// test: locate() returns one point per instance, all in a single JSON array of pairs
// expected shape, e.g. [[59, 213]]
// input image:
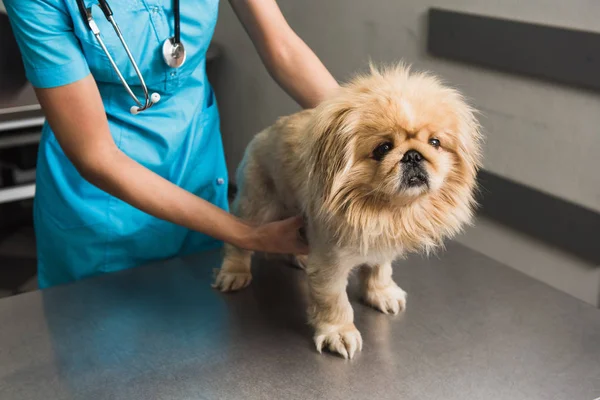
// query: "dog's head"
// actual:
[[395, 145]]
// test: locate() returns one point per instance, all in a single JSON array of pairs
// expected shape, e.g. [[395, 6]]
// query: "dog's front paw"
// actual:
[[388, 299], [229, 281], [344, 340]]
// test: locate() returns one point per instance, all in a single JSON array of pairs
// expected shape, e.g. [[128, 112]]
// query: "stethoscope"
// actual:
[[172, 49]]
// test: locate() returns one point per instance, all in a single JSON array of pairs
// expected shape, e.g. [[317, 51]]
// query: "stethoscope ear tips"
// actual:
[[155, 98]]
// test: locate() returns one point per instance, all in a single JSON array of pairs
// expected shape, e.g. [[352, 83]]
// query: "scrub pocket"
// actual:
[[139, 38]]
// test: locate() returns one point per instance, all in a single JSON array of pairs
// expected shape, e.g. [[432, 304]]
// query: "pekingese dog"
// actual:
[[384, 167]]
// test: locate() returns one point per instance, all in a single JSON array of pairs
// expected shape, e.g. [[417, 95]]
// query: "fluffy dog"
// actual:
[[384, 167]]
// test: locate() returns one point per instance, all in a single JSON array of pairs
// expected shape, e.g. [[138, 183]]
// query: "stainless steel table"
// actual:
[[474, 329]]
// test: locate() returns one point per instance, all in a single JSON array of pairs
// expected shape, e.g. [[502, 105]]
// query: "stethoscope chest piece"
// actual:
[[173, 53]]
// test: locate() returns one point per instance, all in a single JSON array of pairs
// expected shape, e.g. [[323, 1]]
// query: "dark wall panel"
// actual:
[[557, 54], [554, 221]]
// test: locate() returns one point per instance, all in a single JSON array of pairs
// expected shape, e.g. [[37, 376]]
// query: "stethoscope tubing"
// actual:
[[86, 13]]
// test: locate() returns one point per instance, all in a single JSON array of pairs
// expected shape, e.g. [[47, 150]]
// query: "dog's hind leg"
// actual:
[[235, 271], [254, 203]]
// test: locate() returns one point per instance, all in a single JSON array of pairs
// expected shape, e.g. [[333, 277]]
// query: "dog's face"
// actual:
[[404, 148], [393, 139]]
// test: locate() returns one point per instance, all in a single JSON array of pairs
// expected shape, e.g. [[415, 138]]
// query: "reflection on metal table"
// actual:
[[473, 329]]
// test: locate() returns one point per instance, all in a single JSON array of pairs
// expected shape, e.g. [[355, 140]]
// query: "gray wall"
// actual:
[[544, 135]]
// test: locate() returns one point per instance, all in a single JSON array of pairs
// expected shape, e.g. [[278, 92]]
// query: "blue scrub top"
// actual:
[[82, 231]]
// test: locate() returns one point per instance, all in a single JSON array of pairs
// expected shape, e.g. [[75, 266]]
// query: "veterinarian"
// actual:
[[133, 170]]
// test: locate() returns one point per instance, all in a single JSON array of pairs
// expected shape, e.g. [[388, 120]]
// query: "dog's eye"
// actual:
[[434, 142], [381, 150]]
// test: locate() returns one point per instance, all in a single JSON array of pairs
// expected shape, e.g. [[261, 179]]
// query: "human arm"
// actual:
[[291, 63], [85, 138], [56, 67]]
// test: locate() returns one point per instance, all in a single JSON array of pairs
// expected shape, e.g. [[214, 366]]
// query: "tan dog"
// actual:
[[385, 166]]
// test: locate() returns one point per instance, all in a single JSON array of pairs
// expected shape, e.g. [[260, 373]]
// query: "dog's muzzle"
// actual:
[[413, 172]]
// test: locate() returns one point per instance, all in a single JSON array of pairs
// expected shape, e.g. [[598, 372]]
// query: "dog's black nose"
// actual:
[[412, 157]]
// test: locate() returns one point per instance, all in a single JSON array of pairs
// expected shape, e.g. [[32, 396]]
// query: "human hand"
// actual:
[[279, 237]]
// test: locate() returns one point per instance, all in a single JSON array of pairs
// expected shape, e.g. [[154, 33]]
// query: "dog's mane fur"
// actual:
[[352, 215]]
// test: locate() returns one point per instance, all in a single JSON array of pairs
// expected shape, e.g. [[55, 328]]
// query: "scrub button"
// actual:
[[220, 181]]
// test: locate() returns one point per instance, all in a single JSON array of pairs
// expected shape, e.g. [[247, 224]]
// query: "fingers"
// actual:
[[298, 221], [302, 242], [288, 238], [281, 237], [301, 248]]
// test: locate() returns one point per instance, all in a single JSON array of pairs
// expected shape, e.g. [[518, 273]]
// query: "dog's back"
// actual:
[[273, 171]]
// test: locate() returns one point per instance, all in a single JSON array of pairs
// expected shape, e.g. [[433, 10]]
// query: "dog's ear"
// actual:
[[331, 151], [469, 140]]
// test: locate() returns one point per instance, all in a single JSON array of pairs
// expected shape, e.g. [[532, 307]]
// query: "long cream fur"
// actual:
[[320, 163]]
